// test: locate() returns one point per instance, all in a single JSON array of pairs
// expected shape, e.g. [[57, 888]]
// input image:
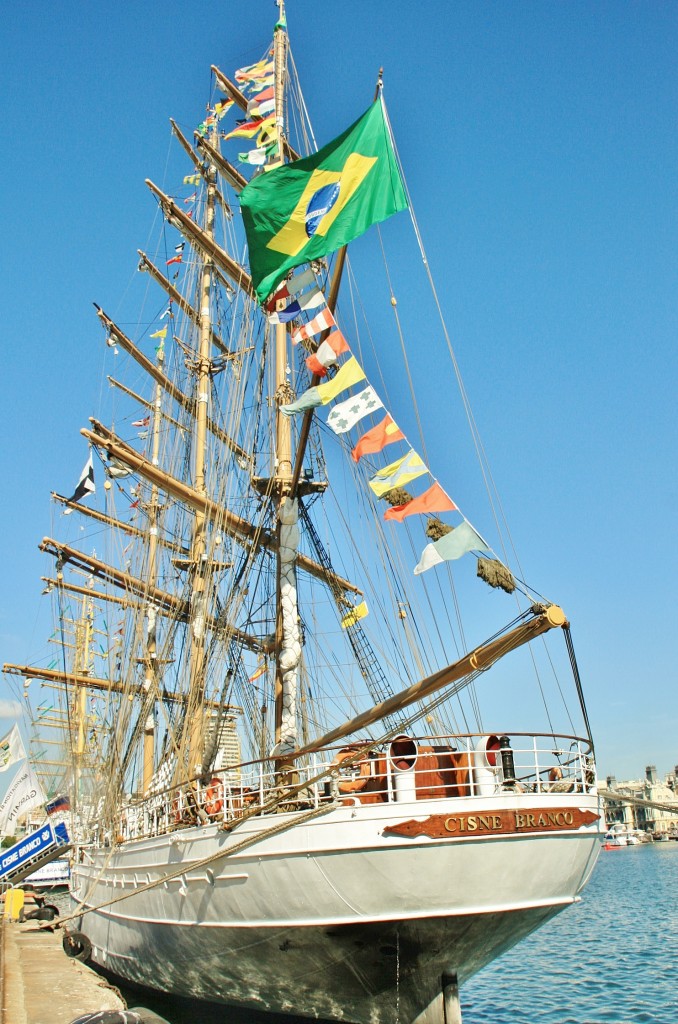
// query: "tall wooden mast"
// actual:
[[82, 665], [151, 674], [287, 639], [199, 568]]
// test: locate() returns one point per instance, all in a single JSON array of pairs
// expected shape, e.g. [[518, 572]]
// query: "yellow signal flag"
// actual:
[[349, 373], [355, 614]]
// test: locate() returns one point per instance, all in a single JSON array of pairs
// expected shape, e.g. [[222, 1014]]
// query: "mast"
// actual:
[[199, 547], [82, 665], [287, 636], [151, 670]]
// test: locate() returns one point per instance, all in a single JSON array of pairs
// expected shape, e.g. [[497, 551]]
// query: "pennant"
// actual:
[[179, 247], [327, 353], [309, 400], [117, 469], [222, 106], [85, 484], [322, 322], [266, 94], [347, 413], [59, 805], [256, 157], [268, 136], [191, 199], [23, 794], [168, 312], [311, 207], [253, 71], [249, 129], [260, 110], [350, 373], [453, 545], [400, 472], [290, 288], [257, 84], [192, 179], [432, 500], [263, 79], [162, 333], [259, 671], [377, 438], [142, 423], [11, 749], [309, 300], [356, 613]]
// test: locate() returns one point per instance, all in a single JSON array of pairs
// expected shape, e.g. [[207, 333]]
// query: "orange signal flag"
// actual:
[[432, 500], [377, 438]]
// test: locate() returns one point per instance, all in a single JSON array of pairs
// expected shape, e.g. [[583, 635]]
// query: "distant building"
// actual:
[[226, 746], [648, 819]]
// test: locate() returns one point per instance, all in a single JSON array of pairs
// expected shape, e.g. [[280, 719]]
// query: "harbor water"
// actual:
[[610, 959]]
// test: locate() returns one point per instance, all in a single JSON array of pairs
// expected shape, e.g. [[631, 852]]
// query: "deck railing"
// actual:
[[405, 770]]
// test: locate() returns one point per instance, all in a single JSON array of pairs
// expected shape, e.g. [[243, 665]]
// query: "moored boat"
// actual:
[[283, 791]]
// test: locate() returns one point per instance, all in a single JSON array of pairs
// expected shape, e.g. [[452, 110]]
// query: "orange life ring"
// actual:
[[214, 797], [364, 772]]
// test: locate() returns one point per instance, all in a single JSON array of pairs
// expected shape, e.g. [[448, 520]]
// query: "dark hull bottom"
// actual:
[[372, 973]]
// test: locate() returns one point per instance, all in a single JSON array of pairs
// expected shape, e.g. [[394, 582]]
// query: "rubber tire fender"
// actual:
[[77, 946]]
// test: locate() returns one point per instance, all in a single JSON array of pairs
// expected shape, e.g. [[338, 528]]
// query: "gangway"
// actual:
[[30, 853]]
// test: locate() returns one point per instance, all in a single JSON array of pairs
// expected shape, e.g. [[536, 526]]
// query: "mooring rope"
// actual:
[[247, 841]]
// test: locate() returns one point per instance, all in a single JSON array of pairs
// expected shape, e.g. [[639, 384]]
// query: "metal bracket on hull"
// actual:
[[451, 1004], [445, 1008]]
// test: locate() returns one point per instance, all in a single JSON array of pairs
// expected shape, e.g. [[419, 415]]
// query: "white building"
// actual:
[[649, 819]]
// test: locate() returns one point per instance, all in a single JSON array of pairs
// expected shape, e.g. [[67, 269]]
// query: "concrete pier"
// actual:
[[39, 984]]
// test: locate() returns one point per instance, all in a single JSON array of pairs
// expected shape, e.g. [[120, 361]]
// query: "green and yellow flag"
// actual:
[[311, 207]]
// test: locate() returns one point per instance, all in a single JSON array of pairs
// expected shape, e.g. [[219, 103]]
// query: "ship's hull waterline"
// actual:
[[332, 918]]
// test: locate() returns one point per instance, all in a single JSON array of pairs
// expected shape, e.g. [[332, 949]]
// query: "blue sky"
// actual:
[[540, 147]]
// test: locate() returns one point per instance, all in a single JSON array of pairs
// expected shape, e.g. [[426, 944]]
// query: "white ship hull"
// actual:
[[332, 918]]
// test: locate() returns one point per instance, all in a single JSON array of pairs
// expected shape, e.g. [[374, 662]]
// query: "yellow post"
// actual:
[[14, 904]]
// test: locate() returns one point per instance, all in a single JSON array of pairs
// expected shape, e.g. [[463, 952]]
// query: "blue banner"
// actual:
[[28, 848]]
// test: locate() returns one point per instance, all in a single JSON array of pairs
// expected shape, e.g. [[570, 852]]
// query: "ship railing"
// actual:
[[406, 769]]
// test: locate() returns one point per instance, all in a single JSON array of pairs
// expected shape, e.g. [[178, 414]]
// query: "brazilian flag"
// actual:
[[311, 207]]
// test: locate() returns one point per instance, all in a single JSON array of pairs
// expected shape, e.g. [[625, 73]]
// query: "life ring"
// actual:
[[364, 771], [214, 797]]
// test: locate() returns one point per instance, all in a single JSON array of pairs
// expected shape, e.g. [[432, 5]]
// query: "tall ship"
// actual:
[[300, 777]]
